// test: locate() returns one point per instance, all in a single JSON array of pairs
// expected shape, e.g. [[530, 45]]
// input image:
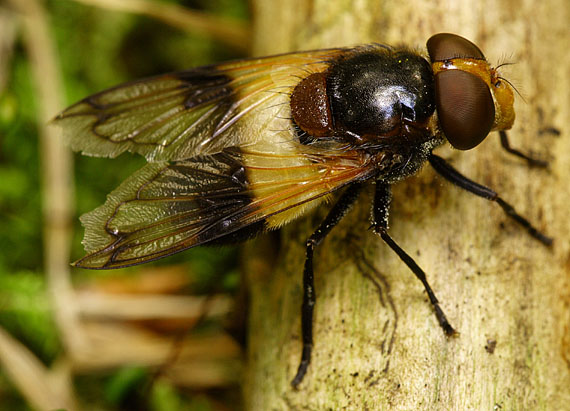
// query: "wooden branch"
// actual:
[[377, 342]]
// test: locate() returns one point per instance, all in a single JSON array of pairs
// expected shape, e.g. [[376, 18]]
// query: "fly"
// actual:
[[238, 148]]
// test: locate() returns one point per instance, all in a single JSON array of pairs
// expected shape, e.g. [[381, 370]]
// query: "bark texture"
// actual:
[[377, 341]]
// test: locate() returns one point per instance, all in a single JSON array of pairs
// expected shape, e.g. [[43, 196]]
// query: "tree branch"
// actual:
[[377, 342]]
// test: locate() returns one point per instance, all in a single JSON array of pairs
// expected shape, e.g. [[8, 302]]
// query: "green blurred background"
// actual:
[[97, 46]]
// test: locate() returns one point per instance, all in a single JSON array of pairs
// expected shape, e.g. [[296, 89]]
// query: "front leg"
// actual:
[[452, 175], [382, 200], [533, 162]]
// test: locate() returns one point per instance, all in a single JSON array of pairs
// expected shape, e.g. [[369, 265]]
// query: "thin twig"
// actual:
[[7, 43], [56, 172], [30, 376], [229, 31], [120, 344], [144, 307]]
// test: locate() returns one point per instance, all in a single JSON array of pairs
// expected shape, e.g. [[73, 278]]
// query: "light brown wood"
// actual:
[[377, 342]]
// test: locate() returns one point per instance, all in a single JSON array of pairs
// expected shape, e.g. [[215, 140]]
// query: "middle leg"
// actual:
[[382, 200]]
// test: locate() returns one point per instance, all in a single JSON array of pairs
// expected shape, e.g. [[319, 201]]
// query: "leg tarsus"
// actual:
[[421, 275], [511, 212], [531, 161], [455, 177], [303, 365], [309, 298]]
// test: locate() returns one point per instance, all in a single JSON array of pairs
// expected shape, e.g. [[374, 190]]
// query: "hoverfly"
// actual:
[[238, 148]]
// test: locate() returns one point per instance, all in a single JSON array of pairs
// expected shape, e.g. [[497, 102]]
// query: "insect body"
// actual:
[[247, 146]]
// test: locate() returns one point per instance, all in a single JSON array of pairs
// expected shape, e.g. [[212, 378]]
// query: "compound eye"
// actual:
[[465, 108], [446, 46]]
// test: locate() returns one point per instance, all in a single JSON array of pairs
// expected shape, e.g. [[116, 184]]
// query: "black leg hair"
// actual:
[[533, 162], [382, 199], [338, 211], [452, 175]]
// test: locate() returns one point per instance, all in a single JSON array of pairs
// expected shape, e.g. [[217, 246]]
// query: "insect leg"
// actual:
[[533, 162], [382, 199], [338, 211], [451, 174]]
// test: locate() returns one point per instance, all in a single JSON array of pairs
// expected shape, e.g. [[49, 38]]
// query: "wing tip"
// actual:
[[82, 263]]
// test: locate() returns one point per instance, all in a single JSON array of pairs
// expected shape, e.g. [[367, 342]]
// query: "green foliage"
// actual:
[[121, 386], [25, 313], [96, 49], [20, 207]]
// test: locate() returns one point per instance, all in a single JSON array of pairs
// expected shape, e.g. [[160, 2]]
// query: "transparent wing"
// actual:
[[189, 113], [165, 208]]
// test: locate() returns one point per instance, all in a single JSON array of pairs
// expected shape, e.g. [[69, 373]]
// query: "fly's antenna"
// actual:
[[509, 63], [513, 86], [504, 64]]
